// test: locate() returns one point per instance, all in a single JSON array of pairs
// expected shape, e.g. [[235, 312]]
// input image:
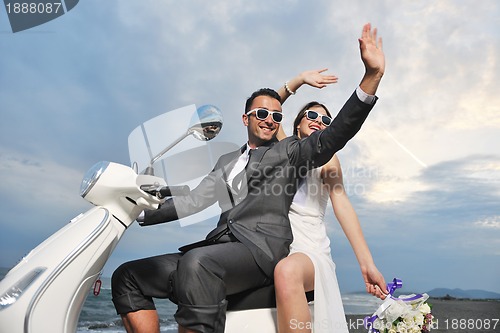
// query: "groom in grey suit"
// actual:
[[253, 232]]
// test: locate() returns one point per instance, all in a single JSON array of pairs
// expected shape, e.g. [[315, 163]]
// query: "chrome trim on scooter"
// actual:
[[67, 260]]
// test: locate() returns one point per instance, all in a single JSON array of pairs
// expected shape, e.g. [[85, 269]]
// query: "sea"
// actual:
[[98, 314], [450, 315]]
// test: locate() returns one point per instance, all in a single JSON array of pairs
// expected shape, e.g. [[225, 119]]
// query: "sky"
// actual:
[[423, 174]]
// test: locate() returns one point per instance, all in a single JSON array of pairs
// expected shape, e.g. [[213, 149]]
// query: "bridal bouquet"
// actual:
[[404, 314]]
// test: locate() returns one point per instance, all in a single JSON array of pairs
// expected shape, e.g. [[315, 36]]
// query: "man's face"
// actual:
[[261, 131]]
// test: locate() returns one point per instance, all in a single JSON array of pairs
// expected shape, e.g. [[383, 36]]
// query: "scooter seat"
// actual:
[[259, 298]]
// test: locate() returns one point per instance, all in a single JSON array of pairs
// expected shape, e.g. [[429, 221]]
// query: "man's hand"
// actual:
[[373, 58], [372, 53]]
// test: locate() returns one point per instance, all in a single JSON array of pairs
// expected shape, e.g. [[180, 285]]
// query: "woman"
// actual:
[[309, 265]]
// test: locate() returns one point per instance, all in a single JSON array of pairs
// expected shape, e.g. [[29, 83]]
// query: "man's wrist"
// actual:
[[364, 97]]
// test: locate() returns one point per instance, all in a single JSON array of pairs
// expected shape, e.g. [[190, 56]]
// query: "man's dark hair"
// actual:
[[261, 92], [302, 111]]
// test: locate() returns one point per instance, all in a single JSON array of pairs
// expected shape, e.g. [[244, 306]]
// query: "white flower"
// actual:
[[424, 308], [402, 327], [407, 314], [415, 329], [419, 320], [408, 320]]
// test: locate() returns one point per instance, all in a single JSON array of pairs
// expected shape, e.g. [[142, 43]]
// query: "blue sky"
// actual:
[[423, 174]]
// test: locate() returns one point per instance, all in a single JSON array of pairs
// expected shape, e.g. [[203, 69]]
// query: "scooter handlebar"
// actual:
[[166, 191], [169, 191]]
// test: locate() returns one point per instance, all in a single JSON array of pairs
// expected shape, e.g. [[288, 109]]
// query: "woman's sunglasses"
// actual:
[[262, 114], [313, 115]]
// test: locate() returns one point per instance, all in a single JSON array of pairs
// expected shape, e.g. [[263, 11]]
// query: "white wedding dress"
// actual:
[[309, 237]]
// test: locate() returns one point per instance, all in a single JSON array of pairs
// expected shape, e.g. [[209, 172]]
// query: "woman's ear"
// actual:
[[298, 132]]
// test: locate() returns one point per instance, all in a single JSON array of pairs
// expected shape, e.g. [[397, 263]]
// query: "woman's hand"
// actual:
[[315, 78], [374, 282]]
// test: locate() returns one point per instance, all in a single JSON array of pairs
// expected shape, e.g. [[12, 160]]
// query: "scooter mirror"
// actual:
[[208, 123]]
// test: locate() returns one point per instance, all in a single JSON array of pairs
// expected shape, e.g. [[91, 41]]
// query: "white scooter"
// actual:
[[46, 290]]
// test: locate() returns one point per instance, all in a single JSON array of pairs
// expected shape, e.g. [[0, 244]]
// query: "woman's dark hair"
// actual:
[[261, 92], [302, 112]]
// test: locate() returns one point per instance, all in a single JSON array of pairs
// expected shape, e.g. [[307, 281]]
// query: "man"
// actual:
[[253, 232]]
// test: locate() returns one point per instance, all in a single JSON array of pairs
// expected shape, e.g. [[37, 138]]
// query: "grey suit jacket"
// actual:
[[260, 220]]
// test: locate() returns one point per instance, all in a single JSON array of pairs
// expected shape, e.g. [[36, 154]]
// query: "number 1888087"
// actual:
[[33, 7], [467, 325]]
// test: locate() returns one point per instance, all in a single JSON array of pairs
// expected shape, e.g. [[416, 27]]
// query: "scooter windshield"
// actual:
[[186, 162]]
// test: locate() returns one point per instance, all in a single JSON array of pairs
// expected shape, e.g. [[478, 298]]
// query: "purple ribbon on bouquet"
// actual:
[[391, 288], [395, 284]]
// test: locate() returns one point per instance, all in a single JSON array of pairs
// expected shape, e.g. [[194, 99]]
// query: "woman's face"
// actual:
[[306, 126]]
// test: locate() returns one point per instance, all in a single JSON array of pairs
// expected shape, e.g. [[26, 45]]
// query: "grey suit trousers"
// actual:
[[197, 281]]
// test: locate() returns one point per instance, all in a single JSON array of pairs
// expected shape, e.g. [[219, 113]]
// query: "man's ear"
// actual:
[[244, 117]]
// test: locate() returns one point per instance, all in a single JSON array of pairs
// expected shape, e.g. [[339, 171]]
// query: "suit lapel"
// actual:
[[230, 161], [255, 159], [228, 165]]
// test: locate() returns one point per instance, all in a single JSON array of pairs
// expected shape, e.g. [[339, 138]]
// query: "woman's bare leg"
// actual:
[[293, 276]]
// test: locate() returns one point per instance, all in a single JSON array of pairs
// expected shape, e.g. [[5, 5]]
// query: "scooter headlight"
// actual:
[[91, 177], [17, 290]]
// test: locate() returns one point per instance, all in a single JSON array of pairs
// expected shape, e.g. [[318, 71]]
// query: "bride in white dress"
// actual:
[[309, 265]]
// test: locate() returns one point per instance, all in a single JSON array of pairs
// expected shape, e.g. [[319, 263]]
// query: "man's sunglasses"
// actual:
[[262, 114], [313, 115]]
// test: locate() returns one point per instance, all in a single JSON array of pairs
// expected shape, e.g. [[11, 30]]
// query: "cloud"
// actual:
[[490, 222], [72, 90], [452, 211], [36, 184], [38, 197]]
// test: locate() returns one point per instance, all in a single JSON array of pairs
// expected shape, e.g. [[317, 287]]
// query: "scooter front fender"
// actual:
[[39, 294]]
